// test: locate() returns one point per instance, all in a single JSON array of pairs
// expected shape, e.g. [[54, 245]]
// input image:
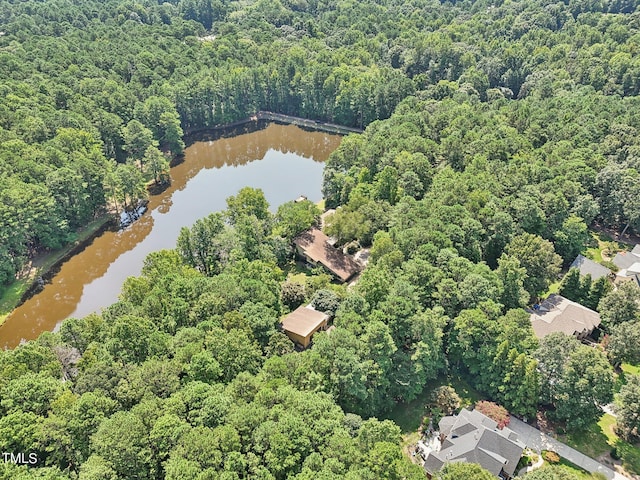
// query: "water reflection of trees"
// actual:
[[59, 299], [62, 297], [217, 149]]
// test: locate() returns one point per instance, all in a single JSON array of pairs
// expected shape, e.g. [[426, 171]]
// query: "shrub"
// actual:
[[445, 398], [352, 247], [424, 424], [629, 455], [550, 457], [292, 294], [524, 461], [614, 454], [436, 415], [326, 301]]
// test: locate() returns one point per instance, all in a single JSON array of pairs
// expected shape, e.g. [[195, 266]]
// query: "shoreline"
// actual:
[[278, 118], [25, 287], [45, 266]]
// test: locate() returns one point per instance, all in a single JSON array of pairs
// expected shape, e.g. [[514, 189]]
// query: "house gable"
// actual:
[[473, 437], [624, 260], [589, 267]]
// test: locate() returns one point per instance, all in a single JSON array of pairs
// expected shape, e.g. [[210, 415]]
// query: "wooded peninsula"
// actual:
[[495, 187]]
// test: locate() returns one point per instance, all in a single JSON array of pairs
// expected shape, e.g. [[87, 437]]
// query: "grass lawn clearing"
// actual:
[[553, 288], [629, 369], [408, 415], [600, 439], [593, 441], [567, 467], [573, 469], [626, 370], [595, 245], [298, 274], [11, 297], [468, 395], [594, 253], [601, 241], [606, 424]]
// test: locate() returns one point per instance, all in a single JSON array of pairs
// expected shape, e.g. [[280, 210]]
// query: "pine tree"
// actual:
[[571, 286]]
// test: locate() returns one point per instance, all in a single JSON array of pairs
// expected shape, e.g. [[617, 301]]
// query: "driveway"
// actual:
[[536, 440]]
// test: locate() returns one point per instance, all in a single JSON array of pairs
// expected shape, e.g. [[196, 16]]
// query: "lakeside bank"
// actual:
[[285, 161], [42, 267], [315, 125]]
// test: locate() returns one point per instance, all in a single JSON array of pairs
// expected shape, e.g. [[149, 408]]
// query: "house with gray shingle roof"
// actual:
[[628, 263], [589, 267], [473, 437]]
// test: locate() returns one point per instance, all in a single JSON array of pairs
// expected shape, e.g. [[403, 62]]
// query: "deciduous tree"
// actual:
[[621, 305], [122, 439], [137, 138], [538, 258], [586, 384], [463, 471], [628, 407]]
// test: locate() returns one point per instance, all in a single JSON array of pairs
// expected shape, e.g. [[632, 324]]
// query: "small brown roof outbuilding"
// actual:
[[302, 323]]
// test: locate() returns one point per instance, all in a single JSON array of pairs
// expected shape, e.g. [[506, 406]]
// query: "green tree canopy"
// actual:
[[463, 471]]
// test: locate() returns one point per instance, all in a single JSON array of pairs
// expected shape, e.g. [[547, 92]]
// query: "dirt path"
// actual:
[[43, 264]]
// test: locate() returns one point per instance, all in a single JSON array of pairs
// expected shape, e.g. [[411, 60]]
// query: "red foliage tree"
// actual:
[[495, 412]]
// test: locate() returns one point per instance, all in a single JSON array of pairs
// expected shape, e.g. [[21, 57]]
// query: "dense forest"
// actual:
[[86, 83], [497, 133]]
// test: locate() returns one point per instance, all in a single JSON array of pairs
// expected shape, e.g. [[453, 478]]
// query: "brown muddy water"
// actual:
[[283, 160]]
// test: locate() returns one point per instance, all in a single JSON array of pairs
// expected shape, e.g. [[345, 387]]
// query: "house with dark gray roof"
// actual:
[[473, 437], [628, 263], [589, 267]]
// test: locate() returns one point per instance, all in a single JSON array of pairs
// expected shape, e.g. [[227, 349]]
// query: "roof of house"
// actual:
[[303, 321], [623, 260], [559, 314], [315, 245], [589, 267], [634, 269], [325, 214], [473, 437]]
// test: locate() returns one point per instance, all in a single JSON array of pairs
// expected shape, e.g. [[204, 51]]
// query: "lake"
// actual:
[[282, 160]]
